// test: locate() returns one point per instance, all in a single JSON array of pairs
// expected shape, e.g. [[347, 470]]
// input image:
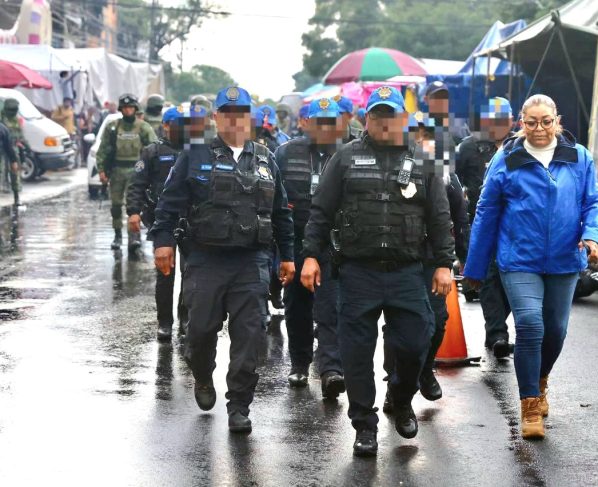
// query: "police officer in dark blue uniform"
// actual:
[[232, 195], [301, 162], [146, 186], [388, 207]]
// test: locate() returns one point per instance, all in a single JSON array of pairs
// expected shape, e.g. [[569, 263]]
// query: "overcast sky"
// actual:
[[259, 45]]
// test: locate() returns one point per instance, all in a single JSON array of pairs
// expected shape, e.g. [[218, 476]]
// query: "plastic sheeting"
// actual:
[[102, 76]]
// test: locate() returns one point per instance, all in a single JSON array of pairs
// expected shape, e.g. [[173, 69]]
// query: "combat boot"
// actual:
[[134, 242], [532, 422], [429, 386], [164, 332], [118, 239], [16, 198], [387, 407], [205, 394], [543, 398], [366, 444], [405, 420], [298, 376], [238, 422], [332, 385]]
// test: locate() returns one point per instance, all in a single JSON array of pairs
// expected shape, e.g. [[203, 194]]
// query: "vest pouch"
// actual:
[[212, 227], [223, 189], [414, 229], [265, 196], [264, 230]]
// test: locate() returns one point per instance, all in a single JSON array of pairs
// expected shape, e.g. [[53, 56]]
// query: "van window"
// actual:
[[26, 109]]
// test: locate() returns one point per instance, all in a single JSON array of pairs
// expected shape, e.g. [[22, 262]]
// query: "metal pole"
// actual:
[[471, 88]]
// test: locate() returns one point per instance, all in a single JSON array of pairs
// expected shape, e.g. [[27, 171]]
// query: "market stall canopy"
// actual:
[[14, 74], [558, 52], [373, 64]]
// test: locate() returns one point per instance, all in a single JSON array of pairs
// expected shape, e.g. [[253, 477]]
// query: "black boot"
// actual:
[[16, 197], [365, 444], [298, 376], [205, 394], [133, 242], [164, 332], [238, 422], [332, 385], [429, 386], [405, 420], [118, 239], [502, 348], [387, 407]]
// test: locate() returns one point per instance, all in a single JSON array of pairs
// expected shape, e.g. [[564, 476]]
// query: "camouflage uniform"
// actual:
[[119, 151], [9, 118]]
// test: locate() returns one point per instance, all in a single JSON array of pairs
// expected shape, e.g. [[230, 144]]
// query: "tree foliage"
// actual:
[[202, 79]]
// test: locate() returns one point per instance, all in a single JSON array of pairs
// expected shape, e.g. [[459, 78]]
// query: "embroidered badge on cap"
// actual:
[[232, 94], [337, 98], [266, 111], [324, 104], [384, 92], [139, 166], [180, 109]]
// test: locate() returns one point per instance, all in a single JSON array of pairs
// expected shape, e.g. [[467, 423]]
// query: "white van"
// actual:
[[50, 143]]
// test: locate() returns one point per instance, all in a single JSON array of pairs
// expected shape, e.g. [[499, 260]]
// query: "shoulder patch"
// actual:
[[139, 166]]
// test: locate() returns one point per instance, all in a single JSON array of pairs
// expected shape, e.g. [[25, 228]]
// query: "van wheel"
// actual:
[[28, 169]]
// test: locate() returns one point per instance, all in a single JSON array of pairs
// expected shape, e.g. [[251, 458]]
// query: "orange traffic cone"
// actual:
[[453, 350]]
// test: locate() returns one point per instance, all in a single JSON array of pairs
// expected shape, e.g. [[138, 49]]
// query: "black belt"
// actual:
[[124, 163], [380, 265]]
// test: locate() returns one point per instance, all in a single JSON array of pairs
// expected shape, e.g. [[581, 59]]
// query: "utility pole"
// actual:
[[152, 46]]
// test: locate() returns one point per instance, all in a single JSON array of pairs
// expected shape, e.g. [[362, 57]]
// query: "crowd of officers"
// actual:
[[352, 223]]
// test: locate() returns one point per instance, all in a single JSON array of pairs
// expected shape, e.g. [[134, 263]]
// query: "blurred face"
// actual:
[[539, 123], [197, 127], [497, 129], [438, 104], [324, 130], [128, 111], [387, 127], [67, 103], [234, 125]]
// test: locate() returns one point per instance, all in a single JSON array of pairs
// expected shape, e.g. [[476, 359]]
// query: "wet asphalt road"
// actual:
[[88, 397]]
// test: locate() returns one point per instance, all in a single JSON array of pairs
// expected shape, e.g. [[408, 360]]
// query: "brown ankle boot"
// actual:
[[532, 422], [543, 399]]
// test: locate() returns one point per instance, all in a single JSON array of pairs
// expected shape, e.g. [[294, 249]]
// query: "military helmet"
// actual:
[[11, 106], [201, 100], [128, 100], [154, 104]]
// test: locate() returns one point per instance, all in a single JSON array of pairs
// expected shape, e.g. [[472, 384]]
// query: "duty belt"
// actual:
[[124, 163]]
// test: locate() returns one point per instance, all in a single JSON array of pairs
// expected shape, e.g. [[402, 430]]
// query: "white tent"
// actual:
[[102, 76]]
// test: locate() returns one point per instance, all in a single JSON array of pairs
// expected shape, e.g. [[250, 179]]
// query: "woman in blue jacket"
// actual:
[[539, 210]]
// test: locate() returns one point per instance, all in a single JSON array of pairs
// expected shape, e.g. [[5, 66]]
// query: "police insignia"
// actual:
[[266, 111], [232, 94], [337, 98], [180, 109], [324, 103], [384, 92], [264, 172], [419, 116], [409, 191], [139, 166]]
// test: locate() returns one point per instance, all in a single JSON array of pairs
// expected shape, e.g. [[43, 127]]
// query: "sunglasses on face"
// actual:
[[533, 124]]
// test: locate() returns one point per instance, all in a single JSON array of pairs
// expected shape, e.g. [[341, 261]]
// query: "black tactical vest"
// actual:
[[163, 158], [377, 212], [232, 204], [297, 180]]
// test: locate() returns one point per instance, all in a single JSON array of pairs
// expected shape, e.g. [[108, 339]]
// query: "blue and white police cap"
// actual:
[[304, 111], [497, 107], [345, 105], [266, 114], [232, 96], [386, 95], [323, 108]]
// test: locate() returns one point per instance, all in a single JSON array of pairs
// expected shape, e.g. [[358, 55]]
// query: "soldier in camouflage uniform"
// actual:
[[9, 118], [153, 112], [119, 150]]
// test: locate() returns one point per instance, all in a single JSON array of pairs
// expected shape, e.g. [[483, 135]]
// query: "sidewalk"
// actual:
[[49, 185]]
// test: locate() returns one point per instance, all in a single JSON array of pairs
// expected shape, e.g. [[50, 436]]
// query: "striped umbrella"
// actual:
[[373, 64]]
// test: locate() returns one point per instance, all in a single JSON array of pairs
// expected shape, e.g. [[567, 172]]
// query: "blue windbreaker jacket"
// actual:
[[533, 217]]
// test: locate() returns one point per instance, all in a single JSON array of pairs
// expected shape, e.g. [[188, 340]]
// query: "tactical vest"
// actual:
[[297, 181], [233, 205], [128, 142], [376, 211]]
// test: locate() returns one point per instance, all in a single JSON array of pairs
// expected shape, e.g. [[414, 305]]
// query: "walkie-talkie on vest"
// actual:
[[405, 171]]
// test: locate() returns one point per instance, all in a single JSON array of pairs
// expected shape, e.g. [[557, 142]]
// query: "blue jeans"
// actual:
[[541, 304]]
